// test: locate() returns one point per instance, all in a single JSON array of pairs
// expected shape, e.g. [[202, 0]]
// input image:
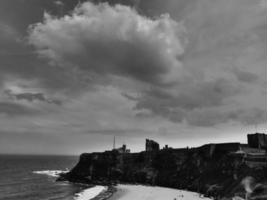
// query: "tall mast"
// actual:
[[114, 142]]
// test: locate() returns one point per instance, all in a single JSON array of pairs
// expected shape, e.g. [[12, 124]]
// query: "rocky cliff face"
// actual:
[[214, 172]]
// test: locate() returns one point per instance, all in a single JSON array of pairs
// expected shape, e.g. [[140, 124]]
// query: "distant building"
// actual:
[[257, 140], [151, 145], [166, 146], [123, 149]]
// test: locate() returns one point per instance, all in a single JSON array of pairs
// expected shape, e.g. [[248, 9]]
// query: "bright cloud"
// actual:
[[106, 40], [182, 79]]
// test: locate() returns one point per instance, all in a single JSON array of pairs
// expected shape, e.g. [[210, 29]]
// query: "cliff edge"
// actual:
[[215, 170]]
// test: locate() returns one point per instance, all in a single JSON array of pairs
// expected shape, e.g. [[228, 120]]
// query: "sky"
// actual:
[[74, 74]]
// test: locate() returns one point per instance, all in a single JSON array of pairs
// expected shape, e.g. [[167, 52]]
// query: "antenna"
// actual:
[[114, 142]]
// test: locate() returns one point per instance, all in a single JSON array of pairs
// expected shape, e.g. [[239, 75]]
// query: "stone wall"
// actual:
[[257, 140]]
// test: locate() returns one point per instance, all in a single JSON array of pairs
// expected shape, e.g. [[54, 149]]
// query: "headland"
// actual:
[[222, 170]]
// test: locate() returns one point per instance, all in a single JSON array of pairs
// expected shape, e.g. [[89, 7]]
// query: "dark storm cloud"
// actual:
[[18, 60], [179, 104], [28, 66], [193, 95]]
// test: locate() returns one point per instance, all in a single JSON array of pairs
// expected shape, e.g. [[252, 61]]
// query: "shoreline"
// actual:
[[107, 194], [128, 191], [143, 192], [95, 192]]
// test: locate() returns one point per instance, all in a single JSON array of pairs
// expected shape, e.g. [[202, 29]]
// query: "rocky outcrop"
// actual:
[[211, 170]]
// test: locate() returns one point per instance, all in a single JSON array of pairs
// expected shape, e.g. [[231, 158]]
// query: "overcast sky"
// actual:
[[183, 72]]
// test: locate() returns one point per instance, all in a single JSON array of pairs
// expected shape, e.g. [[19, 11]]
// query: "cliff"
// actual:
[[214, 170]]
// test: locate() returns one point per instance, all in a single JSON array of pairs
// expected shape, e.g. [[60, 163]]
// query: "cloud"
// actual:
[[116, 132], [32, 97], [186, 67], [213, 116], [178, 103], [195, 95], [105, 40], [245, 75], [14, 109], [59, 3], [7, 31]]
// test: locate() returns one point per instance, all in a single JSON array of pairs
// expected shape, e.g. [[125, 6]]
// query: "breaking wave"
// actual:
[[86, 194], [53, 173]]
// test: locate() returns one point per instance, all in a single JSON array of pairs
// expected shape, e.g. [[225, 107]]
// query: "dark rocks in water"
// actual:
[[210, 169]]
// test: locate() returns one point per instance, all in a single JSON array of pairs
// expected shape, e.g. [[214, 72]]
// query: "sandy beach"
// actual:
[[90, 193], [139, 192]]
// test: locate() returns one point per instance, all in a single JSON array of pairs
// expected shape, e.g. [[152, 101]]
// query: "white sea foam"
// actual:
[[53, 173], [90, 193]]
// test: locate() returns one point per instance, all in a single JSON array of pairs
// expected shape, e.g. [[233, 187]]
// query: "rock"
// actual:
[[193, 169]]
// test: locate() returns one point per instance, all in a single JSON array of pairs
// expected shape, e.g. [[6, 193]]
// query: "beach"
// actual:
[[90, 193], [140, 192]]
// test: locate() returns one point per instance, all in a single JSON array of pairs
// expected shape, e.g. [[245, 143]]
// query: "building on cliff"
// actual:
[[255, 159], [220, 148], [122, 149], [151, 145], [166, 147], [257, 140], [255, 152], [222, 165]]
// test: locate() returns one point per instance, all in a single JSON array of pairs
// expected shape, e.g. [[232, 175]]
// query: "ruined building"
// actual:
[[151, 145], [257, 140], [122, 149]]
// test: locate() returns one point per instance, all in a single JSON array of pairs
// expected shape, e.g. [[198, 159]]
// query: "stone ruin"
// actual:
[[151, 145]]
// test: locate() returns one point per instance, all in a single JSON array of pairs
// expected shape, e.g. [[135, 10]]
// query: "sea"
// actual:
[[34, 178]]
